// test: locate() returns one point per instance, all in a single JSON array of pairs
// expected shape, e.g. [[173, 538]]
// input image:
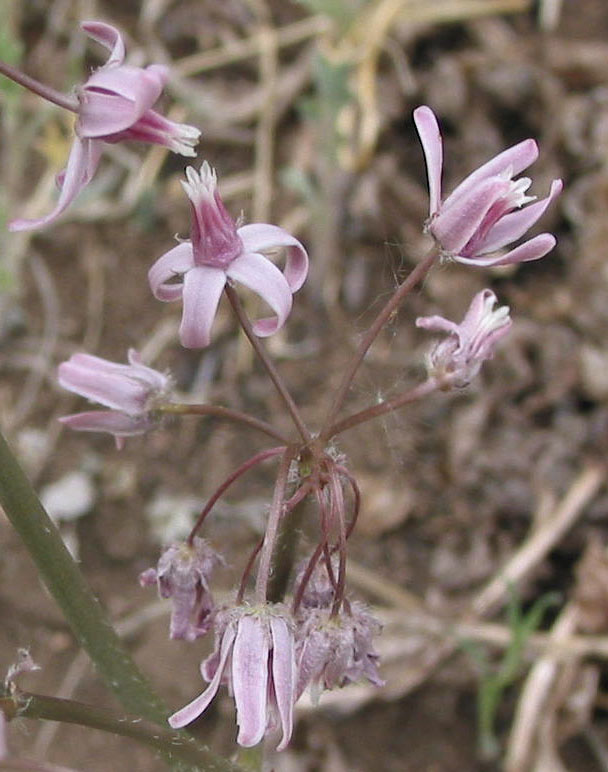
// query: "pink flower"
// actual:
[[456, 360], [132, 392], [183, 574], [114, 105], [254, 656], [336, 650], [197, 270], [484, 213]]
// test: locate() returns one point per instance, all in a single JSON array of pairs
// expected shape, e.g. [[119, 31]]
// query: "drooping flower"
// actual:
[[197, 270], [132, 392], [255, 657], [456, 360], [113, 105], [334, 650], [487, 211], [183, 574]]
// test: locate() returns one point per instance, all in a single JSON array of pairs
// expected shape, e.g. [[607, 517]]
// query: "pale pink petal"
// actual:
[[194, 709], [263, 277], [111, 421], [171, 265], [203, 287], [113, 390], [514, 160], [533, 249], [432, 145], [260, 237], [512, 226], [109, 37], [82, 163], [454, 226], [250, 680], [437, 324], [114, 99], [283, 675]]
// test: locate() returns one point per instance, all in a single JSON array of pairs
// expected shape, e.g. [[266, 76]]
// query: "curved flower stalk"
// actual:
[[456, 360], [487, 211], [113, 105], [183, 574], [255, 657], [196, 271], [132, 392]]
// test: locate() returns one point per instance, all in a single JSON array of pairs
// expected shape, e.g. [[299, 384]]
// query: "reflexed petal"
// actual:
[[109, 37], [432, 145], [283, 675], [194, 709], [454, 226], [259, 237], [515, 159], [201, 294], [250, 679], [110, 421], [175, 262], [533, 249], [263, 277], [512, 226], [114, 99], [437, 324], [82, 163]]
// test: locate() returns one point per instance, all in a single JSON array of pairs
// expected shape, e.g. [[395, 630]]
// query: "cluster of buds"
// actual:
[[268, 653]]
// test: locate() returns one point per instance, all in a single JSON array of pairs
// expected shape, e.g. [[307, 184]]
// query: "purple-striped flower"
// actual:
[[336, 650], [132, 392], [255, 657], [183, 574], [456, 360], [196, 271], [487, 211], [114, 105]]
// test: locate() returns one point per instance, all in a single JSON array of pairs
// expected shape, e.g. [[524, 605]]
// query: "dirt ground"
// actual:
[[309, 126]]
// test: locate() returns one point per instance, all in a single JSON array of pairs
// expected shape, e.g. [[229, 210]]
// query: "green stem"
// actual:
[[80, 607], [284, 553], [177, 746]]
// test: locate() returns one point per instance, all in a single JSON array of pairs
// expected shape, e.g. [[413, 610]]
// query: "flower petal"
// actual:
[[432, 145], [263, 277], [109, 37], [203, 287], [437, 324], [260, 237], [250, 680], [194, 709], [512, 226], [110, 421], [283, 675], [82, 163], [117, 390], [454, 226], [174, 263], [533, 249], [115, 98], [514, 160]]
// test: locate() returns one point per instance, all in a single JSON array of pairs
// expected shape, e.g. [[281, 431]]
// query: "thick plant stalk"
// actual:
[[80, 607]]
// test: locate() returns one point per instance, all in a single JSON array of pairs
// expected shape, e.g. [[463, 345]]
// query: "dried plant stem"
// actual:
[[387, 406], [268, 364], [177, 746], [417, 275], [217, 411], [46, 92]]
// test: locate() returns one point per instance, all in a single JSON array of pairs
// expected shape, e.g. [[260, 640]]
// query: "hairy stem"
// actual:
[[268, 364], [387, 406], [176, 746], [419, 272], [46, 92], [216, 411]]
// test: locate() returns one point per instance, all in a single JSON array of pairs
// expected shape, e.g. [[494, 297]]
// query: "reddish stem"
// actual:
[[247, 571], [46, 92], [357, 498], [258, 458], [217, 411]]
